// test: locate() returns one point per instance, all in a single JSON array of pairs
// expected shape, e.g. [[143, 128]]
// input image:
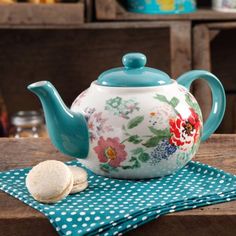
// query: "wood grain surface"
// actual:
[[113, 10], [180, 45], [202, 60], [214, 50], [72, 58], [41, 14], [18, 219]]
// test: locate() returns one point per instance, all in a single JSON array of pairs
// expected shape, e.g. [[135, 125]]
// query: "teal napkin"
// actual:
[[113, 207]]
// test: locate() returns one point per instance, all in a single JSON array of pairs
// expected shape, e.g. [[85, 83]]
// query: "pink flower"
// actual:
[[97, 126], [185, 131], [110, 151]]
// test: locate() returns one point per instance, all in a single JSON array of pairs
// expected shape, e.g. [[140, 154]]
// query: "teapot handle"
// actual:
[[218, 98]]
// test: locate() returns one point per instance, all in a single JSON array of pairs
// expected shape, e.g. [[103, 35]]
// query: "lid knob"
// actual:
[[134, 60]]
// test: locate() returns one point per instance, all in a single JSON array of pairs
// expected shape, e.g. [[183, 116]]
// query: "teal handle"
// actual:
[[218, 98]]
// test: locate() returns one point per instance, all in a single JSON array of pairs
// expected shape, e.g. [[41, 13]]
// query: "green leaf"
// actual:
[[174, 101], [193, 104], [163, 133], [107, 168], [159, 135], [104, 167], [136, 165], [127, 167], [153, 130], [143, 157], [152, 142], [137, 150], [188, 100], [135, 122], [135, 139], [133, 159], [161, 98]]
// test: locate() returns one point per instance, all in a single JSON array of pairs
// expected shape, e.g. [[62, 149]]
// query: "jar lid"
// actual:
[[27, 118], [133, 74]]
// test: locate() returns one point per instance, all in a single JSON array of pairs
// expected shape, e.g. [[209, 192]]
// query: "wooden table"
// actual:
[[18, 219]]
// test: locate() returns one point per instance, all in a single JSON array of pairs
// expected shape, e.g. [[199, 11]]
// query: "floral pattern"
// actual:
[[162, 151], [96, 123], [110, 151], [157, 116], [88, 112], [122, 108], [185, 132], [167, 136]]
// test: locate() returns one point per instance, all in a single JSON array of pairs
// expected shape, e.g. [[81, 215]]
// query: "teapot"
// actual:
[[133, 122]]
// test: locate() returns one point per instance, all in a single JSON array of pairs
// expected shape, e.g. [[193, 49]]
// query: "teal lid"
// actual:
[[133, 74]]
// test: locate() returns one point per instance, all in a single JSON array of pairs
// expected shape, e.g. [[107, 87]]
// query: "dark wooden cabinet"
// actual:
[[71, 53]]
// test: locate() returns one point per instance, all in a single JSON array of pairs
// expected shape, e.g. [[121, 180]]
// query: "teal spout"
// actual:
[[68, 131]]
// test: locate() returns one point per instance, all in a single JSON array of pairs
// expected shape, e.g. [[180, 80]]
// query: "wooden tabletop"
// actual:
[[18, 219]]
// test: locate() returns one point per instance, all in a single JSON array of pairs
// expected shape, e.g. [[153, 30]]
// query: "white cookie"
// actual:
[[49, 181]]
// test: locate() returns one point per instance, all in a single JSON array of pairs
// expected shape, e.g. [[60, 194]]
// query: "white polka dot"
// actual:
[[57, 219], [68, 232], [69, 219], [97, 218], [144, 218]]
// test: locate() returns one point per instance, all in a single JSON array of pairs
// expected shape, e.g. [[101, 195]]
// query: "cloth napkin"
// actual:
[[113, 207]]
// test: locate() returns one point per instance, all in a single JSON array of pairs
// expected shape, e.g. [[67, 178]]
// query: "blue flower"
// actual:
[[162, 151]]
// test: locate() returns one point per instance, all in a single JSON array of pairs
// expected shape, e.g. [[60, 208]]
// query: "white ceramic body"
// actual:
[[139, 132], [224, 5]]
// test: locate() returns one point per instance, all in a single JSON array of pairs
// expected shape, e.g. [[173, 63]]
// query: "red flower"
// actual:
[[110, 151], [185, 131]]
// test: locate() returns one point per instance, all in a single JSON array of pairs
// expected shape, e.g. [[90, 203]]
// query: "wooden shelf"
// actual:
[[112, 10], [213, 50], [27, 14], [90, 25]]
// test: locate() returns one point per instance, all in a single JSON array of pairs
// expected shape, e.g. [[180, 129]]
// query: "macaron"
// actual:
[[49, 181], [80, 177]]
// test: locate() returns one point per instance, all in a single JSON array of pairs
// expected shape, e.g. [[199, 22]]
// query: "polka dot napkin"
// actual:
[[112, 207]]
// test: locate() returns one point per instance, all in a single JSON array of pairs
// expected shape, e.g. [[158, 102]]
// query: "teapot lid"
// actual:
[[133, 74]]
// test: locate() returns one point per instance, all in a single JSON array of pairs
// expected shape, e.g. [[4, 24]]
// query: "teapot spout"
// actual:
[[67, 130]]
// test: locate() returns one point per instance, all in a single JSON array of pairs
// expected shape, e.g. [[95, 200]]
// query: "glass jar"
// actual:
[[28, 124]]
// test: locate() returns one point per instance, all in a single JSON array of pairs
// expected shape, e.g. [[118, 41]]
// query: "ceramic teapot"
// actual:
[[133, 122]]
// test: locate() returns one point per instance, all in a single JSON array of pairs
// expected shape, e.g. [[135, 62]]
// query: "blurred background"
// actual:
[[71, 42]]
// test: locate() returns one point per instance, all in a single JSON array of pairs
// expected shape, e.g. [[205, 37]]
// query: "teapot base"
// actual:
[[145, 173]]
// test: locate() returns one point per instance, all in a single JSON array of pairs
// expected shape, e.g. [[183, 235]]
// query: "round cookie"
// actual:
[[80, 177], [49, 181]]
